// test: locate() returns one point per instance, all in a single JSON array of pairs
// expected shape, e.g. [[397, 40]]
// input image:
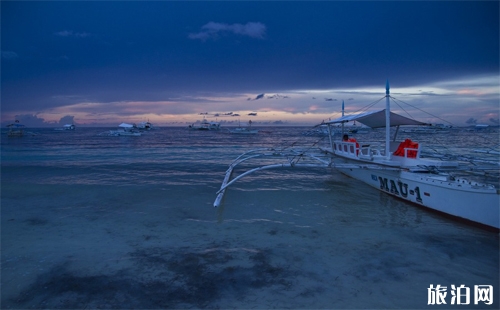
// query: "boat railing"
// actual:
[[371, 150], [346, 148], [353, 149], [409, 149]]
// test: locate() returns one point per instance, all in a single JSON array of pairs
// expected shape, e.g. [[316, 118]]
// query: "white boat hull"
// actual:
[[476, 203]]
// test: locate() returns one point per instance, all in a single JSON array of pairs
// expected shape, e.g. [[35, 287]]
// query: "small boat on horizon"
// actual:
[[205, 125], [144, 126], [244, 130], [67, 127], [430, 129], [16, 129], [125, 130]]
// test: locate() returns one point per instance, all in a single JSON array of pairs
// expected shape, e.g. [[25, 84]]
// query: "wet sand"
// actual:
[[91, 247]]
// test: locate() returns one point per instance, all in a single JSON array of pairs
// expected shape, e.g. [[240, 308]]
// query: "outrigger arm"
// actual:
[[290, 164], [226, 183]]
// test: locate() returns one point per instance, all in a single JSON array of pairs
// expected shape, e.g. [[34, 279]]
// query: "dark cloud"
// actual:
[[68, 119], [258, 97], [471, 121]]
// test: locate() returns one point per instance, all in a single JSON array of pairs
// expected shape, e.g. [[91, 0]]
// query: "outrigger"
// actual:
[[395, 167]]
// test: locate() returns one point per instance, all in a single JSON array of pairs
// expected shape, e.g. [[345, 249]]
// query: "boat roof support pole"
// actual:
[[342, 116], [396, 133], [330, 136], [387, 121]]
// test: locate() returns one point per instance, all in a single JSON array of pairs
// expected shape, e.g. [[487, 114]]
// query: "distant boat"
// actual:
[[144, 126], [429, 129], [15, 129], [481, 126], [67, 127], [354, 129], [420, 130], [205, 125], [322, 130], [244, 130], [361, 130], [125, 130]]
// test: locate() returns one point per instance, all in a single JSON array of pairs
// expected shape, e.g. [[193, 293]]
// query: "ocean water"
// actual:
[[90, 221]]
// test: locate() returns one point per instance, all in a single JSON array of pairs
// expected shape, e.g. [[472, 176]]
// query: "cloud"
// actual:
[[259, 97], [7, 55], [31, 120], [212, 30], [277, 96], [256, 98], [471, 121], [495, 121], [70, 33], [68, 119]]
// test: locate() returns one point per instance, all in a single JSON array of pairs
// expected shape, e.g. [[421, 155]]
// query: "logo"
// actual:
[[459, 295]]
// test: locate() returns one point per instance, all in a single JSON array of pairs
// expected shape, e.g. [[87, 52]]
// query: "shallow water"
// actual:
[[89, 221]]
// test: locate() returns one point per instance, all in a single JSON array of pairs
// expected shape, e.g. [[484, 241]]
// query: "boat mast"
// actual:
[[387, 121], [342, 116]]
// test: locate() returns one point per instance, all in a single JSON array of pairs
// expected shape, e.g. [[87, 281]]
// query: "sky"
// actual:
[[273, 62]]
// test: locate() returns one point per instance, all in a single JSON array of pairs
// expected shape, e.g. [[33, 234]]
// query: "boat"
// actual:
[[481, 126], [329, 130], [205, 125], [429, 129], [400, 169], [125, 130], [356, 129], [244, 130], [420, 130], [144, 126], [16, 129], [67, 127], [321, 130]]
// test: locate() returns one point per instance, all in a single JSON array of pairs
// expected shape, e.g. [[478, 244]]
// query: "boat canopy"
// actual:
[[125, 125], [16, 125], [376, 119]]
